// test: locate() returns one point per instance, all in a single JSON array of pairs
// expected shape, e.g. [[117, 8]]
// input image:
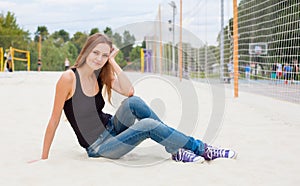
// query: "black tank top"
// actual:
[[85, 114]]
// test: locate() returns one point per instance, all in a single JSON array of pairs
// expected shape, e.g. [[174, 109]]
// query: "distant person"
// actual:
[[230, 70], [279, 70], [287, 73], [295, 70], [39, 63], [9, 64], [79, 94], [67, 64], [247, 72], [5, 56], [273, 72]]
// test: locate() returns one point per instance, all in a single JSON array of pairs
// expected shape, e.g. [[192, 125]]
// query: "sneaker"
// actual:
[[212, 153], [185, 156]]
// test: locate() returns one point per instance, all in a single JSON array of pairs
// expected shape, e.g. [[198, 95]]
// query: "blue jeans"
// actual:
[[123, 133]]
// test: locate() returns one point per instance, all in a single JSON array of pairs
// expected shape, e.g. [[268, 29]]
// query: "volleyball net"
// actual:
[[197, 57], [269, 47], [268, 44]]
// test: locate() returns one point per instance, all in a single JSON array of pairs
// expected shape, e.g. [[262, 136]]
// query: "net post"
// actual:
[[235, 48]]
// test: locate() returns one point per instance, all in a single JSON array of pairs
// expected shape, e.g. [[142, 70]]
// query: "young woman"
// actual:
[[79, 94]]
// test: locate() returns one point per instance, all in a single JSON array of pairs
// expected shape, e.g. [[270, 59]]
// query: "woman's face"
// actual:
[[98, 56]]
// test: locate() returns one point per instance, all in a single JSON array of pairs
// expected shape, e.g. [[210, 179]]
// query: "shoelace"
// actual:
[[213, 152], [187, 156], [184, 155]]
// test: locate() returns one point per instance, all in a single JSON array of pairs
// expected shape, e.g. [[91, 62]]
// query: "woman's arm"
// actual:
[[63, 92], [121, 84]]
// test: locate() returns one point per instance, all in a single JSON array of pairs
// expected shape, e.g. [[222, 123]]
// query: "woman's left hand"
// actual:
[[114, 52], [33, 161]]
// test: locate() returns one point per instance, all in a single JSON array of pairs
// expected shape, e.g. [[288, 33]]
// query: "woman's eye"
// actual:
[[105, 55]]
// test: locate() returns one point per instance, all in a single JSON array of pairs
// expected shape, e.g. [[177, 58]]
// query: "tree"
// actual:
[[93, 31], [58, 45], [11, 34], [128, 42], [70, 51], [43, 31], [61, 34], [117, 39], [60, 37], [32, 47], [135, 58], [78, 40], [135, 53], [120, 59], [107, 31], [53, 57], [144, 44]]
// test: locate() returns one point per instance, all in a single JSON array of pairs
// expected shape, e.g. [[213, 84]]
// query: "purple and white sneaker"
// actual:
[[212, 153], [185, 156]]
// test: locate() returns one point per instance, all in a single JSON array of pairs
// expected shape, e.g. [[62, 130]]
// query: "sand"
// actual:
[[264, 131]]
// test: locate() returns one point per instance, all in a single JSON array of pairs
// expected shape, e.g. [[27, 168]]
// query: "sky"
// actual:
[[200, 17]]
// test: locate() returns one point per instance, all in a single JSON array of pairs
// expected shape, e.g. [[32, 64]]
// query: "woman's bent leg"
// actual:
[[131, 109], [127, 134], [119, 145]]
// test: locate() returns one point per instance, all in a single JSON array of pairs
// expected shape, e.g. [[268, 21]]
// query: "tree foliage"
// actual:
[[117, 39], [128, 42], [41, 31], [78, 40], [10, 32], [135, 53], [61, 34], [57, 46], [93, 31]]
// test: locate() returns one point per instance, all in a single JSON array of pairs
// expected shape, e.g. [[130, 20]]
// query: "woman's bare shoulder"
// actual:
[[67, 77], [66, 84]]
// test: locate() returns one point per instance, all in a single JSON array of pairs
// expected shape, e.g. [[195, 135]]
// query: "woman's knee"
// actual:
[[146, 124], [135, 100], [138, 107], [132, 101]]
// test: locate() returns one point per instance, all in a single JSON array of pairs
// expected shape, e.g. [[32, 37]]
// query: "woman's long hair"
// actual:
[[106, 73]]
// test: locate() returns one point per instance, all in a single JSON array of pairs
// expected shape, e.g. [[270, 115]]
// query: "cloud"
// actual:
[[67, 3], [7, 4]]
